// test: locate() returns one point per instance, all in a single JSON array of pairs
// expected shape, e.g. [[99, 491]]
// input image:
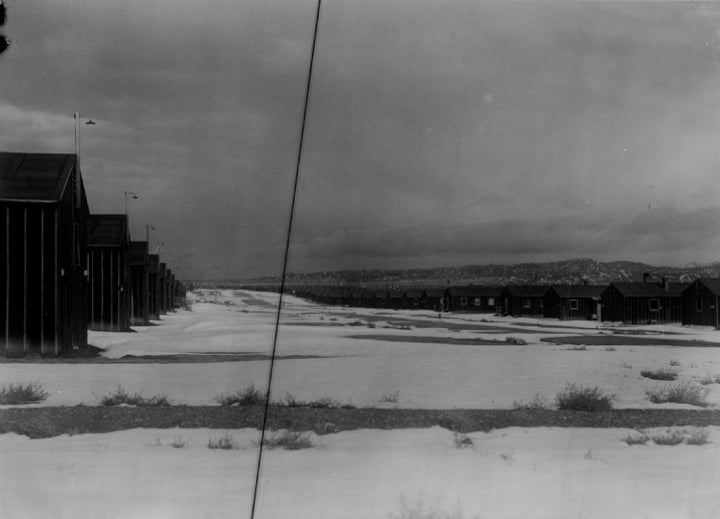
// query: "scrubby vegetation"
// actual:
[[638, 438], [660, 374], [225, 442], [577, 398], [516, 340], [16, 394], [710, 379], [697, 437], [321, 403], [390, 398], [288, 440], [537, 403], [683, 393], [669, 438], [178, 442], [122, 397], [420, 511], [242, 397], [462, 440], [694, 436]]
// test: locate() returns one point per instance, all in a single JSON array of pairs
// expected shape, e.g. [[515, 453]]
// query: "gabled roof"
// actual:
[[527, 290], [435, 292], [593, 291], [712, 284], [484, 291], [459, 291], [153, 263], [107, 230], [138, 252], [36, 177], [475, 291], [413, 294], [640, 289]]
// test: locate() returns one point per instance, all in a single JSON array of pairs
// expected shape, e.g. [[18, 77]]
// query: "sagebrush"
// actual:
[[537, 403], [122, 397], [420, 510], [288, 440], [16, 394], [225, 442], [578, 398], [638, 438], [242, 397], [683, 393], [659, 374]]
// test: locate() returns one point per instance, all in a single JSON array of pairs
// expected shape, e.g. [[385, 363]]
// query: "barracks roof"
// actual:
[[108, 230], [36, 177], [579, 290], [138, 252], [640, 289]]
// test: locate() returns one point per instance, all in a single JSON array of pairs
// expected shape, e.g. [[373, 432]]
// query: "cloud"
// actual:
[[437, 131], [663, 236]]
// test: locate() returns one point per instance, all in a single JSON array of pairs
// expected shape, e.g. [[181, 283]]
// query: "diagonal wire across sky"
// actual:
[[285, 263]]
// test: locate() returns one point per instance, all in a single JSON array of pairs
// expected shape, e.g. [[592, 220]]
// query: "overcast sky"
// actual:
[[439, 132]]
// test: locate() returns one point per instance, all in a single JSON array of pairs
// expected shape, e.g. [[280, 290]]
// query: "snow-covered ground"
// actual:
[[508, 473], [529, 473], [362, 370]]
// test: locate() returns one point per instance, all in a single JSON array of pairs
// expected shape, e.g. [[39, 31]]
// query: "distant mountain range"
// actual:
[[574, 271]]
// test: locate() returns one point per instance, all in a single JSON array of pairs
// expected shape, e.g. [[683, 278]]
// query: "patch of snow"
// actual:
[[532, 473]]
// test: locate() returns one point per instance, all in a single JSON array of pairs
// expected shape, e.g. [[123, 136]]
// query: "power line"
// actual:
[[285, 262]]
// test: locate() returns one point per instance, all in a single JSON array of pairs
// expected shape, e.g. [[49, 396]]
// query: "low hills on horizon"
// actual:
[[573, 271]]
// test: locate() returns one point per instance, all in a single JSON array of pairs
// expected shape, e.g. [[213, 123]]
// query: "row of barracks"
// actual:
[[63, 270], [641, 302]]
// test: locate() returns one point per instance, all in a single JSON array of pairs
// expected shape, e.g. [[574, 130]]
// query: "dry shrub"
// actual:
[[122, 397], [288, 440], [660, 374], [683, 393], [17, 394], [577, 398], [243, 397]]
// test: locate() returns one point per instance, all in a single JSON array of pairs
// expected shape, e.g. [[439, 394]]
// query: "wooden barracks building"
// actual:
[[43, 262], [109, 276], [62, 270]]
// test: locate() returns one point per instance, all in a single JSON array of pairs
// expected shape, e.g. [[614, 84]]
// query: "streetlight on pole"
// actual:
[[148, 228], [89, 122], [129, 195], [77, 118]]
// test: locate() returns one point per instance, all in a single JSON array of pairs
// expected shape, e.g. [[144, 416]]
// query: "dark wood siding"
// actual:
[[154, 296], [577, 308], [162, 287], [43, 282], [640, 309], [139, 283], [108, 292], [700, 305], [525, 303]]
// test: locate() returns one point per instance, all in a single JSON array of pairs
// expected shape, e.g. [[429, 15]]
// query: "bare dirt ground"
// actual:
[[45, 422]]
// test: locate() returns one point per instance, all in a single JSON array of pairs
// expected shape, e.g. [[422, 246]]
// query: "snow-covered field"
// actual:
[[510, 473], [362, 370], [540, 472]]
